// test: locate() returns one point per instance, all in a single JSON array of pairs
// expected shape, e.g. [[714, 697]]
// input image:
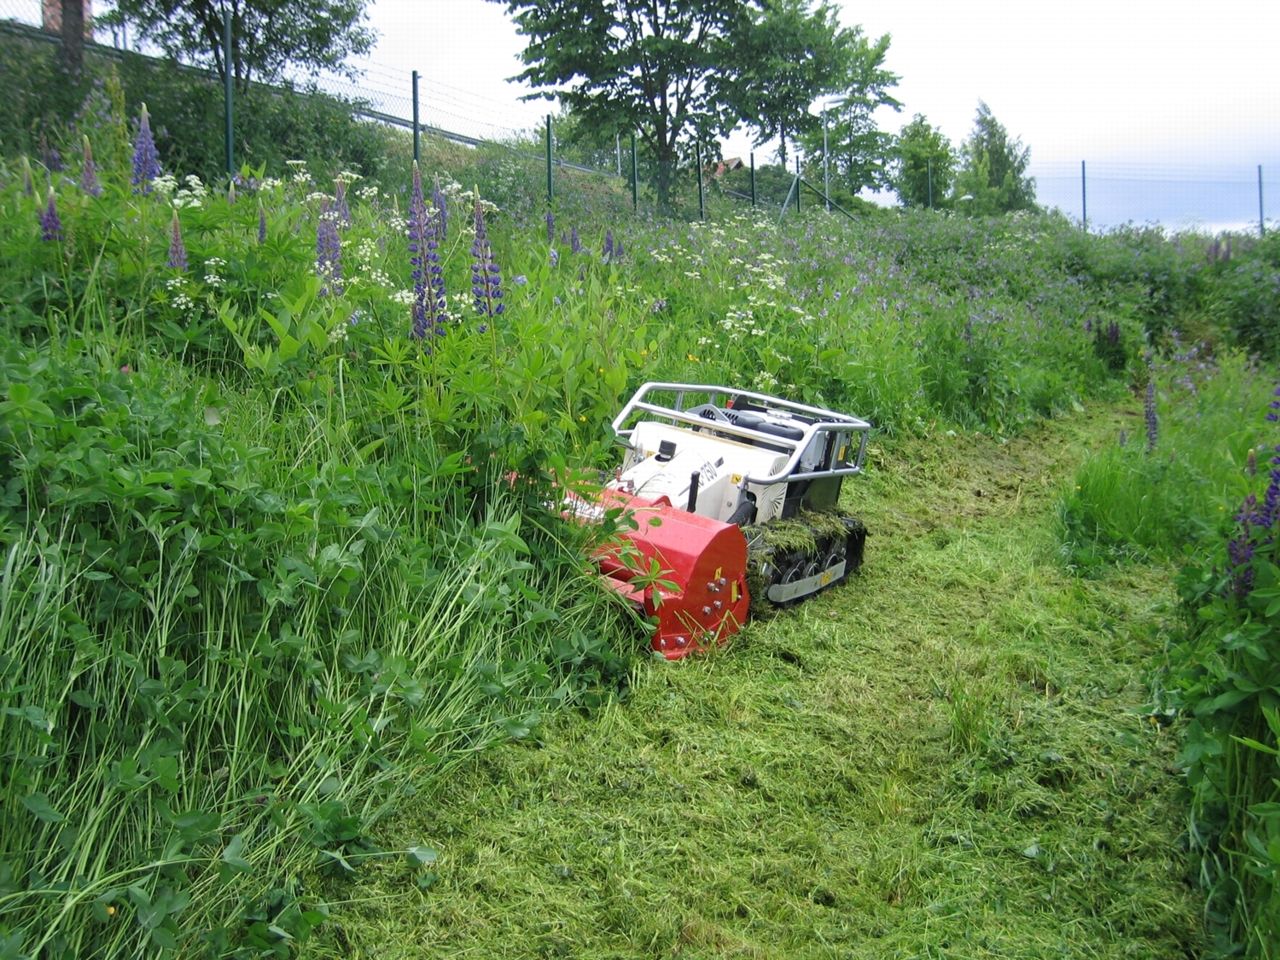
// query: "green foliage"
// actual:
[[993, 169], [1192, 498], [923, 165], [1165, 501], [1226, 677], [319, 562], [858, 149], [653, 67], [266, 37], [793, 54], [273, 125], [1245, 291]]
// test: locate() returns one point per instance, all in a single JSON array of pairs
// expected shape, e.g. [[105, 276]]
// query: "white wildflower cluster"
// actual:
[[403, 297], [270, 183], [299, 174], [453, 189], [165, 184], [318, 197], [766, 382], [346, 177], [331, 215], [366, 250], [397, 223], [339, 333], [368, 193], [366, 253], [764, 271], [178, 295], [212, 272], [742, 321], [469, 198], [192, 193]]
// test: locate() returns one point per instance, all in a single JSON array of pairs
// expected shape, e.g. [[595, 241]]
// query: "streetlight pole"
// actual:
[[826, 167]]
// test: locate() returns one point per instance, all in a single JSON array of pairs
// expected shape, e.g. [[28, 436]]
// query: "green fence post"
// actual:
[[753, 179], [417, 132], [549, 179], [635, 178], [799, 184], [702, 201], [228, 90]]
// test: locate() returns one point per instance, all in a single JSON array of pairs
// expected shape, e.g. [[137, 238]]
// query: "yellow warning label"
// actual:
[[733, 592], [736, 479]]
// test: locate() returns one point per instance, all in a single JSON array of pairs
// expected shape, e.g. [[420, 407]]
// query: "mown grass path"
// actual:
[[950, 757]]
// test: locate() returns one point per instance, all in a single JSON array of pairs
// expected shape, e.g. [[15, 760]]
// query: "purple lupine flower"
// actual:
[[617, 255], [575, 242], [146, 161], [486, 277], [551, 227], [50, 156], [329, 252], [50, 222], [1271, 501], [430, 308], [1149, 411], [89, 172], [1273, 408], [262, 224], [177, 249], [554, 257], [442, 211], [607, 252], [340, 205]]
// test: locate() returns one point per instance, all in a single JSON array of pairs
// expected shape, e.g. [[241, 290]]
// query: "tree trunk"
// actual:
[[73, 36]]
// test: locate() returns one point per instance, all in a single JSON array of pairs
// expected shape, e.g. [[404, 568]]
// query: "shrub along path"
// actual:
[[952, 756]]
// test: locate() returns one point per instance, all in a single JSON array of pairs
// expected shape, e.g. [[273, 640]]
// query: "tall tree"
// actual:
[[267, 35], [993, 169], [72, 29], [857, 148], [788, 56], [923, 165], [655, 66]]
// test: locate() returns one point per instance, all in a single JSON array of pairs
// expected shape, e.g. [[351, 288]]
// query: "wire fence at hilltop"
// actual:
[[1232, 196]]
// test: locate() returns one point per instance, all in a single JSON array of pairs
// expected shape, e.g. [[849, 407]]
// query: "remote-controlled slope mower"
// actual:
[[732, 493]]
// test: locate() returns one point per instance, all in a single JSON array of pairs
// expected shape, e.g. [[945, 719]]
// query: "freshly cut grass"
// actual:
[[952, 756]]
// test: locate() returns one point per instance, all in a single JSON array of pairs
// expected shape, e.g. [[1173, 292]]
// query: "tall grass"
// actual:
[[1190, 491], [270, 562]]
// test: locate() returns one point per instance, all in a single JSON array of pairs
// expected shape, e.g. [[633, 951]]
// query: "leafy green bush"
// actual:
[[1226, 673]]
